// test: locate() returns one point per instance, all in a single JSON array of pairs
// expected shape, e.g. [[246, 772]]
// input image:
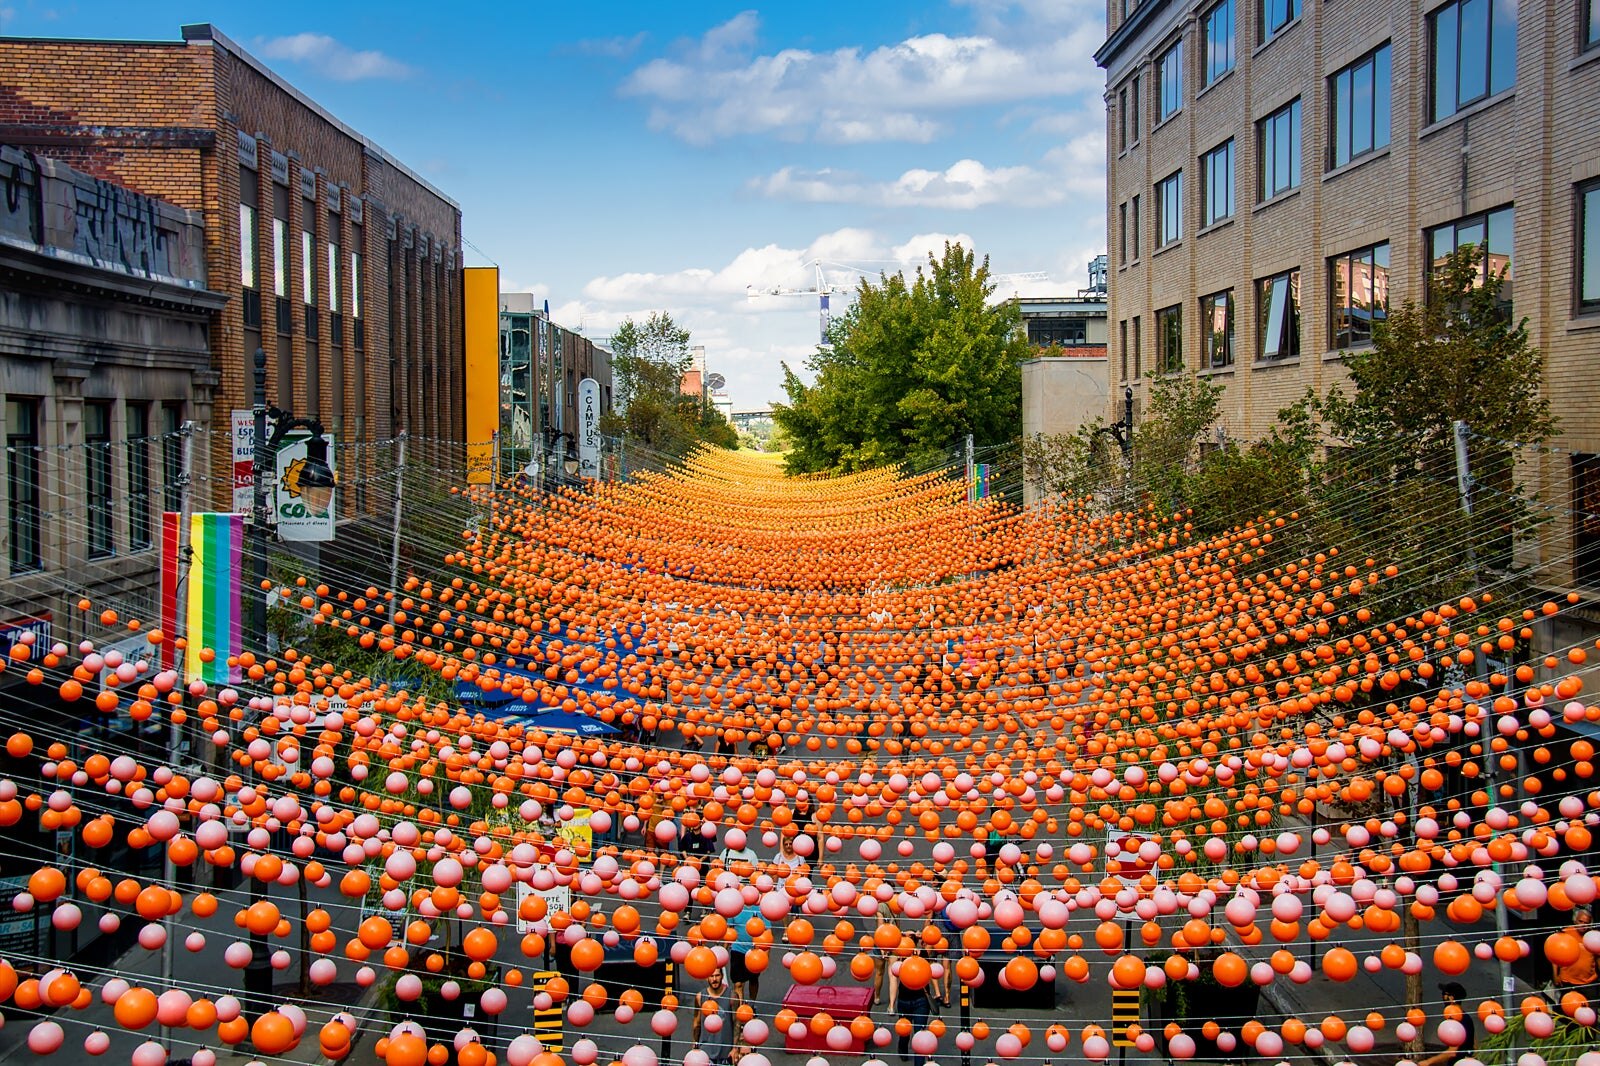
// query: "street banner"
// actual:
[[480, 334], [589, 428], [244, 462], [305, 496], [212, 617]]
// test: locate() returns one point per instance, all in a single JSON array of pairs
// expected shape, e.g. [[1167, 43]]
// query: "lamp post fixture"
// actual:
[[1121, 431]]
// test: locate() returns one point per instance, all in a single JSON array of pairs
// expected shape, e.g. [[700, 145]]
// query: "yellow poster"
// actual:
[[578, 834], [480, 291]]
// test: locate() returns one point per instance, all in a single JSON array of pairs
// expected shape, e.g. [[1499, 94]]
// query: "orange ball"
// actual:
[[135, 1008]]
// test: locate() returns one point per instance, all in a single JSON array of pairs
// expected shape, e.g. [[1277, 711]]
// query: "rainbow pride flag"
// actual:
[[980, 481], [212, 608]]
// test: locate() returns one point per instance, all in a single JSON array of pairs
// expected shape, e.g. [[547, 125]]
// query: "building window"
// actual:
[[1122, 232], [1216, 319], [1474, 53], [1216, 190], [280, 258], [1361, 107], [247, 246], [1591, 23], [1169, 339], [1135, 103], [172, 456], [1278, 308], [97, 438], [1138, 367], [1589, 246], [309, 255], [139, 502], [1219, 57], [1122, 119], [1169, 204], [1133, 227], [1490, 232], [22, 484], [333, 278], [1275, 15], [1278, 151], [355, 284], [1359, 295], [1067, 332], [1122, 346], [1169, 81]]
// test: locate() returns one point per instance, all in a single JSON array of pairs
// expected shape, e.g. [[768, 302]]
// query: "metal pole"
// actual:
[[966, 1018], [1126, 440], [399, 486], [971, 493], [258, 973], [169, 869], [1464, 485]]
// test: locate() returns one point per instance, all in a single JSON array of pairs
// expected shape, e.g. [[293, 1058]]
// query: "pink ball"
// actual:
[[149, 1053], [1008, 1046], [96, 1043], [45, 1038], [523, 1050], [639, 1055], [1181, 1046], [579, 1012], [756, 1032]]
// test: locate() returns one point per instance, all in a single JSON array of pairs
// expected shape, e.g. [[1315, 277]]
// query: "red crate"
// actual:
[[842, 1002]]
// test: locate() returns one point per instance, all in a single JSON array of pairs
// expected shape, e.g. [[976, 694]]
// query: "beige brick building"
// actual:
[[1282, 171]]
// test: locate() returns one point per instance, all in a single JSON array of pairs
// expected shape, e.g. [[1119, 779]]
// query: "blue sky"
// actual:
[[618, 158]]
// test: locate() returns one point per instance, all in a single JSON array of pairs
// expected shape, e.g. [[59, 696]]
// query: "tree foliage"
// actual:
[[648, 363], [913, 367]]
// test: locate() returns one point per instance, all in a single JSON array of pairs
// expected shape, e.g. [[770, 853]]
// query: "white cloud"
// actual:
[[717, 87], [747, 338], [1069, 171], [332, 59]]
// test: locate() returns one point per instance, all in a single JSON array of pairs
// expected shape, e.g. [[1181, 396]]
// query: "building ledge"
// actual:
[[1584, 323], [1467, 112], [1287, 194], [1585, 57], [1165, 248], [78, 272], [1283, 31], [1221, 223], [1274, 364], [1356, 163], [1224, 76]]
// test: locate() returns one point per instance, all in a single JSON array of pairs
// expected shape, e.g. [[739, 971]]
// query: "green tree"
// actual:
[[652, 411], [913, 367], [1458, 355]]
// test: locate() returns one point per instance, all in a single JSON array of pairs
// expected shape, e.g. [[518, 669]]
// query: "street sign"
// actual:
[[589, 428], [244, 462], [1124, 1013], [556, 898], [548, 1023], [1130, 866], [304, 512]]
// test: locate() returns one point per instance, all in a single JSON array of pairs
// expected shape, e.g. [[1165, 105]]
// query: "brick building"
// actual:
[[1283, 171], [339, 261]]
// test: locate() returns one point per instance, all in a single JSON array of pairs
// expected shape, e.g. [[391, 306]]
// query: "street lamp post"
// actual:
[[316, 487]]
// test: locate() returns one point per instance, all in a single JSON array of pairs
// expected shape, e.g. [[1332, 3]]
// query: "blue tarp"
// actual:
[[563, 722]]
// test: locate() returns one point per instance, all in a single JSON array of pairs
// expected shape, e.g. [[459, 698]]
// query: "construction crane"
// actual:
[[822, 289]]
